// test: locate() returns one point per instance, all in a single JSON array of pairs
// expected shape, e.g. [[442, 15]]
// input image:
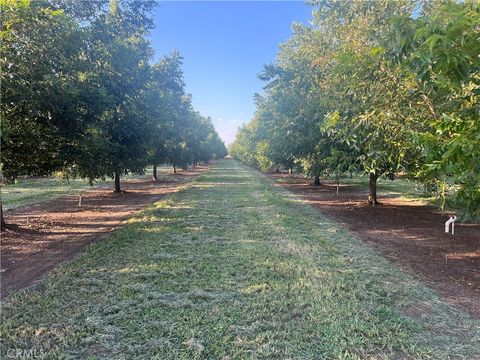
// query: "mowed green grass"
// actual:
[[35, 190], [233, 267]]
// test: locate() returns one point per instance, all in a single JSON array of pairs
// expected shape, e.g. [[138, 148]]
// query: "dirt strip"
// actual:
[[48, 233], [408, 234]]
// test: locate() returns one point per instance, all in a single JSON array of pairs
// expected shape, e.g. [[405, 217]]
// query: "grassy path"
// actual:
[[232, 267]]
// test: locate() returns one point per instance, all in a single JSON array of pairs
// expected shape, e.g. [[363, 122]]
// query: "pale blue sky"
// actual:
[[225, 45]]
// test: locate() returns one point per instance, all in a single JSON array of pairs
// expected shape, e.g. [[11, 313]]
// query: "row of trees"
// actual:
[[79, 93], [377, 86]]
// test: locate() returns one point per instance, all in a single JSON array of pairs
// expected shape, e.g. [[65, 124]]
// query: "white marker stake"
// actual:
[[450, 221], [80, 200], [453, 225], [447, 225]]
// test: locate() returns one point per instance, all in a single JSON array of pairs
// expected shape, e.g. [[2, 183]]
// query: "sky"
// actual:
[[225, 45]]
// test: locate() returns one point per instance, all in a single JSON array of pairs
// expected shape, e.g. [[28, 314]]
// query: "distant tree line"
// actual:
[[377, 86], [79, 93]]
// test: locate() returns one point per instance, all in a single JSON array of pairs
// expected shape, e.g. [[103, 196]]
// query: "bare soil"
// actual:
[[48, 233], [408, 234]]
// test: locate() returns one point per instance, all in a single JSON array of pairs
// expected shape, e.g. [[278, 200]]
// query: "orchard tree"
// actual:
[[178, 151], [243, 148], [116, 143], [43, 108], [293, 113], [364, 91], [40, 108], [446, 60], [206, 144], [168, 89]]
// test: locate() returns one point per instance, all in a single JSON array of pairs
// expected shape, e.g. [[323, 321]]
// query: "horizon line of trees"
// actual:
[[80, 94], [380, 87]]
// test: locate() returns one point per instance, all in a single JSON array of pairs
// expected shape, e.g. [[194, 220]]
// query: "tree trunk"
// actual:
[[155, 177], [372, 186], [316, 181], [117, 182], [174, 169], [290, 171], [3, 224]]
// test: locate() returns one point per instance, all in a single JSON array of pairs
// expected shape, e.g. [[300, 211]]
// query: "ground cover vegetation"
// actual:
[[380, 87], [80, 93], [233, 266], [32, 190]]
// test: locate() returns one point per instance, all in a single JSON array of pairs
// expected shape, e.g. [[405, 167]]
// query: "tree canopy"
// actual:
[[80, 93], [383, 87]]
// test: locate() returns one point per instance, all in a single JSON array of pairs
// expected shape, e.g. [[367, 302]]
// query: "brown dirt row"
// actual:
[[48, 233], [408, 234]]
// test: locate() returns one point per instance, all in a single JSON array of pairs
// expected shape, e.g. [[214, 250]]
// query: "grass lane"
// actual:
[[233, 267]]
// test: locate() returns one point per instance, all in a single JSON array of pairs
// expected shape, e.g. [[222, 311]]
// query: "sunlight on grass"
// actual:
[[34, 190], [237, 270]]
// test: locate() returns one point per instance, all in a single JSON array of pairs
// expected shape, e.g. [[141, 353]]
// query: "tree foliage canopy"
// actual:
[[79, 92], [378, 86]]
